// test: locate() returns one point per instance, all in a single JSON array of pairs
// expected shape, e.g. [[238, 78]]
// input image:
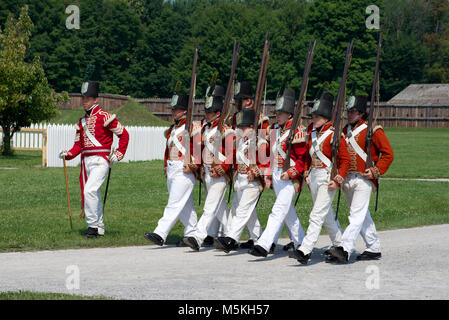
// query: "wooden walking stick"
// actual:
[[67, 189]]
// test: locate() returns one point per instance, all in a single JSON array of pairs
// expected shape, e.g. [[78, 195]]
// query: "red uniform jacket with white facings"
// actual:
[[343, 158], [381, 151], [101, 126], [220, 160], [297, 155]]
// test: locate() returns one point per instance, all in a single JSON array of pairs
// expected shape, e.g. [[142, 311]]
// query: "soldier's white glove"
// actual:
[[63, 154], [113, 158]]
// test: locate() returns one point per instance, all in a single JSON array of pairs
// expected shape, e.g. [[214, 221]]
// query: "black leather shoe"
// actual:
[[330, 259], [366, 255], [299, 256], [258, 251], [247, 245], [155, 238], [288, 246], [340, 254], [208, 242], [91, 233], [192, 243], [273, 247], [225, 243]]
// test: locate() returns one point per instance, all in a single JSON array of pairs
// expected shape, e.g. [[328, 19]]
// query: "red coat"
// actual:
[[219, 167], [298, 152], [101, 125], [381, 151], [343, 159]]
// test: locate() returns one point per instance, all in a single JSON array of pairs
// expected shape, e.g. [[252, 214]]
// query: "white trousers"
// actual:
[[243, 209], [180, 201], [96, 169], [216, 229], [214, 207], [322, 212], [283, 210], [358, 192]]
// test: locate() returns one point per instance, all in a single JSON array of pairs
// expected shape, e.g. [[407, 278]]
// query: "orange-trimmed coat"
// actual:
[[343, 158], [381, 151]]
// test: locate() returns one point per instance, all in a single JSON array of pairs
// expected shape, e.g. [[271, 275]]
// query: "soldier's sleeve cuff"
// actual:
[[119, 155], [339, 179], [293, 173], [375, 172], [255, 171], [218, 170]]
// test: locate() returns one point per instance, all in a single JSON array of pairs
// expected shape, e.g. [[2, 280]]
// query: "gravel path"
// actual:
[[414, 266]]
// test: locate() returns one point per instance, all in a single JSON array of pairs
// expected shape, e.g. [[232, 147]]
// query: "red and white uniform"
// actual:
[[179, 184], [358, 189], [283, 209], [93, 140], [215, 162], [318, 170], [246, 193]]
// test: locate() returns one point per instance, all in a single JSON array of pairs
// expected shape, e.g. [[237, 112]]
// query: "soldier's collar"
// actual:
[[89, 111]]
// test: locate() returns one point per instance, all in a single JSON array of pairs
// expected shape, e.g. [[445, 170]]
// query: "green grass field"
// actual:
[[130, 114], [34, 214]]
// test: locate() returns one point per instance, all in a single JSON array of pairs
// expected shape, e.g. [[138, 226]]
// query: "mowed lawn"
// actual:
[[34, 213]]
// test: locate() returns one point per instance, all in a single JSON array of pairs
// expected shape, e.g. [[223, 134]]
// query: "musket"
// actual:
[[67, 191], [261, 82], [190, 105], [337, 117], [369, 130], [227, 102], [297, 117]]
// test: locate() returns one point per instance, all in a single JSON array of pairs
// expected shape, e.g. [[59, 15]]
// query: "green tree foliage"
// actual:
[[25, 96], [143, 47]]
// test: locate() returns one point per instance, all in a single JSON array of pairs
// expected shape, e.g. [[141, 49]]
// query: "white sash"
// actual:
[[278, 146], [316, 143], [174, 138], [88, 134], [208, 134], [241, 153], [351, 140]]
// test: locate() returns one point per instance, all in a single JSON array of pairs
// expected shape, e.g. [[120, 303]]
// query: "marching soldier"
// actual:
[[285, 184], [248, 183], [217, 157], [360, 182], [93, 140], [317, 172], [243, 96], [180, 177]]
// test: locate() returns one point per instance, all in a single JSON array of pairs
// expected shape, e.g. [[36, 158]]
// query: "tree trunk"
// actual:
[[7, 136]]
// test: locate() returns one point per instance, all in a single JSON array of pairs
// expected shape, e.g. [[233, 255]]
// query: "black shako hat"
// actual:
[[286, 102], [323, 107], [248, 116], [358, 103], [214, 100], [90, 89]]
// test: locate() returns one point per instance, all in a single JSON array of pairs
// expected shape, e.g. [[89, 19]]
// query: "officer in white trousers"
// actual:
[[180, 178], [217, 157], [285, 184]]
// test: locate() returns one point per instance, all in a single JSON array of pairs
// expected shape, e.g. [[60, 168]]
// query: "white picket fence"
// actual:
[[145, 143]]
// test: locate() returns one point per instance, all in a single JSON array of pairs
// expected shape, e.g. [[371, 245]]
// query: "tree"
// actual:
[[25, 95]]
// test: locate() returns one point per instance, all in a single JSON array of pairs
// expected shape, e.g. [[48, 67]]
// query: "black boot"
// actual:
[[366, 255], [91, 233], [247, 245], [208, 242], [288, 246], [258, 251], [299, 256], [155, 238], [340, 254], [192, 243], [225, 243], [273, 247]]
